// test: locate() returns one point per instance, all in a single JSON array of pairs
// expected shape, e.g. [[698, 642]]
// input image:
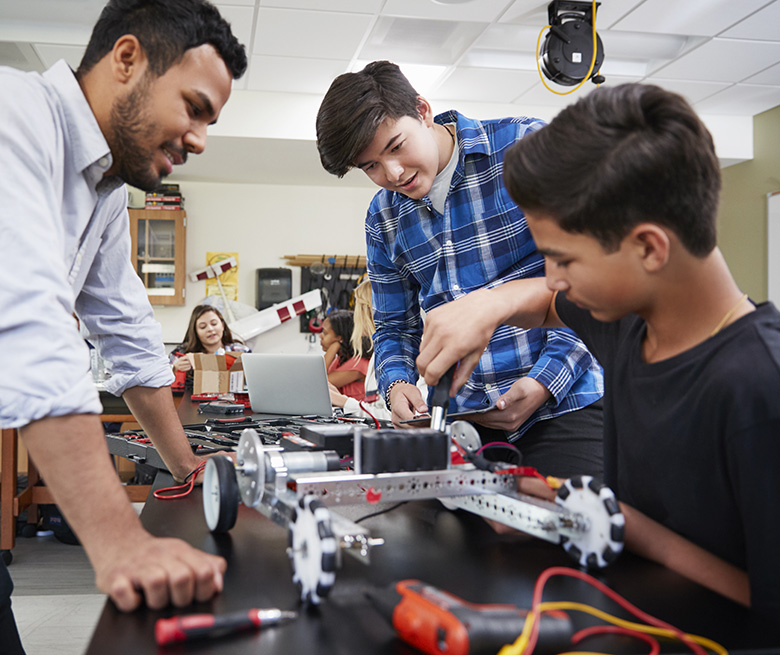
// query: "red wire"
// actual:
[[625, 604], [376, 423], [655, 647], [508, 446], [182, 489]]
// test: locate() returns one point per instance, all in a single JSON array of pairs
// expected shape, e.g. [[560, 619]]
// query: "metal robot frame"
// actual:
[[300, 490]]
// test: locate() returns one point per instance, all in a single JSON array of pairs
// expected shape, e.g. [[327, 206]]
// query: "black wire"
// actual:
[[381, 511]]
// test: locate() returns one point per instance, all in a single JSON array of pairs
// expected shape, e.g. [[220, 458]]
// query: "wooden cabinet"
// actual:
[[158, 253]]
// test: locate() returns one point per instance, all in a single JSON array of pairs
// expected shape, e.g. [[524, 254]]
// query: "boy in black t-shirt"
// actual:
[[621, 192]]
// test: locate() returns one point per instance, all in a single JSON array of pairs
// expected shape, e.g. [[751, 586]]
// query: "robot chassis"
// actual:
[[298, 489]]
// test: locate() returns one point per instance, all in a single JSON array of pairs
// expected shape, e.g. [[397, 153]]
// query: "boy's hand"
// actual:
[[522, 399], [458, 331], [406, 402]]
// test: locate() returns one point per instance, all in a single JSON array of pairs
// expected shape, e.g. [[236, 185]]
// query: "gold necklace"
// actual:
[[728, 315]]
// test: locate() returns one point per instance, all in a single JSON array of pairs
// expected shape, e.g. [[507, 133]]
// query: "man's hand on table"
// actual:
[[159, 572]]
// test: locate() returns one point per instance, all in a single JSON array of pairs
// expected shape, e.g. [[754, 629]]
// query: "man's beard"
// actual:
[[130, 127]]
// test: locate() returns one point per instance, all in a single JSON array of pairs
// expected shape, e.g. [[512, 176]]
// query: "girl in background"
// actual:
[[346, 367], [373, 405], [207, 333]]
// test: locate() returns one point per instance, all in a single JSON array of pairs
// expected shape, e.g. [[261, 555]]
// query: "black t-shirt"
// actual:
[[694, 441]]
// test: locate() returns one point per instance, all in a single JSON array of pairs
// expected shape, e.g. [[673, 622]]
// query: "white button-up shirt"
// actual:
[[64, 250]]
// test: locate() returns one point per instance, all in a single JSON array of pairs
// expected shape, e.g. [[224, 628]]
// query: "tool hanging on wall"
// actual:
[[336, 276]]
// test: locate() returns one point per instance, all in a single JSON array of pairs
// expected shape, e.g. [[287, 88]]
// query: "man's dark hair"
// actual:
[[354, 107], [618, 157], [166, 29]]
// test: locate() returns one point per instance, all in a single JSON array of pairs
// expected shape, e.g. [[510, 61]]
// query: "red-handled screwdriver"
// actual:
[[195, 626]]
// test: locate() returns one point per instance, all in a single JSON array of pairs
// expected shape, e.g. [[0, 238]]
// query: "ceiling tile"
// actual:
[[741, 99], [293, 74], [298, 33], [534, 13], [610, 13], [695, 17], [240, 19], [769, 76], [69, 12], [691, 90], [351, 6], [763, 25], [526, 12], [493, 85], [505, 36], [482, 11], [433, 42], [722, 60]]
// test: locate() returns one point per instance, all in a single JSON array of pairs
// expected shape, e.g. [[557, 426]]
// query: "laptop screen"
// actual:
[[289, 384]]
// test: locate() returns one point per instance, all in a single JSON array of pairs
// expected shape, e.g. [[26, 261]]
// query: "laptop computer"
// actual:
[[288, 384]]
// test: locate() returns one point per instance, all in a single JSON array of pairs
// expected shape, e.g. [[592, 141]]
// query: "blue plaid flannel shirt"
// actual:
[[420, 259]]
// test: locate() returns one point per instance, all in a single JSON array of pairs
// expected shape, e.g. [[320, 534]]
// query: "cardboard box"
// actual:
[[217, 373]]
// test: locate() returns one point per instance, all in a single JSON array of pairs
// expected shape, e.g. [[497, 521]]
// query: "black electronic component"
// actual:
[[390, 451], [274, 285], [221, 407], [333, 437], [567, 50]]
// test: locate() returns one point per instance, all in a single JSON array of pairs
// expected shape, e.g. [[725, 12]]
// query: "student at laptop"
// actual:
[[443, 226], [207, 332], [346, 368], [692, 366]]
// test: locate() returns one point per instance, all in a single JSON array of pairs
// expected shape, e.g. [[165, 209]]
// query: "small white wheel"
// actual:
[[312, 550], [220, 494], [251, 464], [600, 545]]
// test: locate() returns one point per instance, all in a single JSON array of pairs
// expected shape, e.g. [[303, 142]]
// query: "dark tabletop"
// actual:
[[454, 551]]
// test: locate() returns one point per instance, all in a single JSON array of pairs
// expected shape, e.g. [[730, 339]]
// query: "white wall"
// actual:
[[262, 223]]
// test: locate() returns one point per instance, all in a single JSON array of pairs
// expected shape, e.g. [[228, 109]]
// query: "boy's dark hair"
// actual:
[[354, 107], [618, 157], [166, 29]]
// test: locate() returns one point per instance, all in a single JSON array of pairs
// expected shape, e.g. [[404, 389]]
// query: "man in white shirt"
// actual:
[[155, 74]]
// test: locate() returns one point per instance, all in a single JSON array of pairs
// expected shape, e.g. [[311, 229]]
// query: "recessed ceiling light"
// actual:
[[451, 2]]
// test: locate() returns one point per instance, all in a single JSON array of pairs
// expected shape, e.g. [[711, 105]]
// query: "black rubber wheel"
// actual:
[[220, 494], [29, 530]]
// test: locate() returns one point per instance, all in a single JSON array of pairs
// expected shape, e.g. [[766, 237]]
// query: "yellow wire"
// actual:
[[592, 59], [520, 644]]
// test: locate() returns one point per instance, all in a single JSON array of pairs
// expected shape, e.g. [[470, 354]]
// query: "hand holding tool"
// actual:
[[440, 400], [439, 623], [195, 626]]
